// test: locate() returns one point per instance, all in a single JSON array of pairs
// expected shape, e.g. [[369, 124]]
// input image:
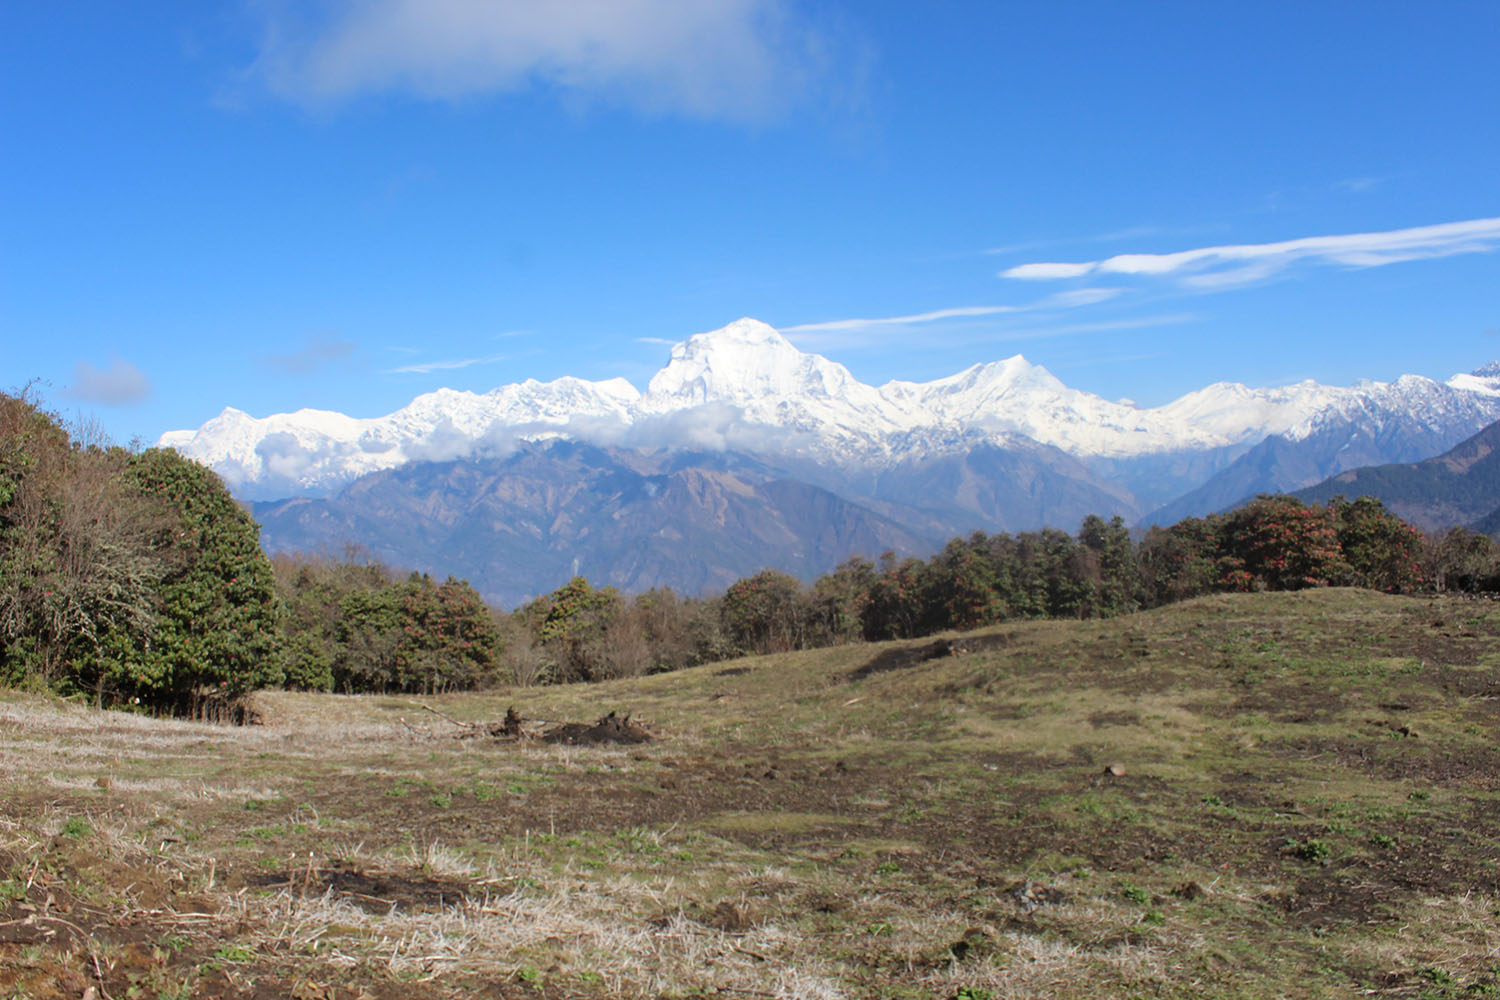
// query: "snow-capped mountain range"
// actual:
[[745, 388]]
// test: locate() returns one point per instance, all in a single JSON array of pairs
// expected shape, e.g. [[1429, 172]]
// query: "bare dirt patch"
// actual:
[[908, 656], [372, 890]]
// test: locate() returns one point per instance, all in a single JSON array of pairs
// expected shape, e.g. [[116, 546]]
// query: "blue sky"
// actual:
[[273, 204]]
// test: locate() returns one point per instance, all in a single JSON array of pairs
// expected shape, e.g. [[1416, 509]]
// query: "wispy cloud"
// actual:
[[655, 340], [121, 384], [926, 317], [1062, 300], [441, 366], [739, 59], [1225, 266], [320, 352]]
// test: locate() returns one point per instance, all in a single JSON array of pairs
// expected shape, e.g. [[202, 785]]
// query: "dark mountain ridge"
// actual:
[[523, 525], [1459, 487]]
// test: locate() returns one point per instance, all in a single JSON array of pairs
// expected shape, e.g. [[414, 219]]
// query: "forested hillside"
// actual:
[[135, 579]]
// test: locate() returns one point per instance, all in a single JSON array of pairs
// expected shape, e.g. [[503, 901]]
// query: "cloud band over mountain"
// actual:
[[1219, 266]]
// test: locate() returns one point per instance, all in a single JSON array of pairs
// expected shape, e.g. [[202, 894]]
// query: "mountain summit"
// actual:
[[746, 388]]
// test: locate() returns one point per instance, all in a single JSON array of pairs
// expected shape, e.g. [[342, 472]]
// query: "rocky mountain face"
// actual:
[[744, 451], [1374, 430], [1459, 487], [522, 525]]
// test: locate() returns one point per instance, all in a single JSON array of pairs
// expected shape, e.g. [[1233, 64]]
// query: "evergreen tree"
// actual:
[[1116, 584], [1382, 551], [217, 616], [765, 613], [573, 625]]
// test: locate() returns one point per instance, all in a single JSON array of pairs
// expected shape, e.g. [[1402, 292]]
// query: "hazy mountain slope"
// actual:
[[1018, 488], [523, 525], [1376, 431], [1459, 487]]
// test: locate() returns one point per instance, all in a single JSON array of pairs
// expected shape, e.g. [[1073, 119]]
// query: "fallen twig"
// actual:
[[440, 715], [99, 974]]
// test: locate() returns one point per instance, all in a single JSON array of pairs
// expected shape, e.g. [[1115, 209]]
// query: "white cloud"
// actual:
[[441, 366], [739, 59], [1046, 272], [1224, 266], [121, 384]]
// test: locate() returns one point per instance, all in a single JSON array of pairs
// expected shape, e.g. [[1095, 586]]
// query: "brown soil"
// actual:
[[380, 892], [611, 728]]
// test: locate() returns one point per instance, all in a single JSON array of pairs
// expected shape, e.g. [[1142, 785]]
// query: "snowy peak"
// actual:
[[746, 387], [1484, 379], [744, 362]]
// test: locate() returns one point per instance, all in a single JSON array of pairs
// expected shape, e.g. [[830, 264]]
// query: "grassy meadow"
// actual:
[[1270, 795]]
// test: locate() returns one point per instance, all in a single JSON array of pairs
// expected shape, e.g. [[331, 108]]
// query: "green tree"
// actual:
[[765, 613], [370, 627], [447, 639], [217, 627], [1382, 551], [1179, 562], [1113, 565], [838, 600], [897, 602], [959, 589], [573, 622], [1278, 543]]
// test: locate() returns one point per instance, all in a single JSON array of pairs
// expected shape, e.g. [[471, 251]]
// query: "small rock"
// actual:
[[1192, 890], [1115, 770]]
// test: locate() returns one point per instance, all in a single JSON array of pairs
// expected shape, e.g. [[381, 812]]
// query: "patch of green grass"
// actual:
[[76, 828], [234, 953], [1312, 849]]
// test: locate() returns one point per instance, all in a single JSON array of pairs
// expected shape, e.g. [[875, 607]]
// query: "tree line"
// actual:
[[133, 578]]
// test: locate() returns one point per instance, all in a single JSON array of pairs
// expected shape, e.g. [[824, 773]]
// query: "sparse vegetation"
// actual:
[[1070, 809]]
